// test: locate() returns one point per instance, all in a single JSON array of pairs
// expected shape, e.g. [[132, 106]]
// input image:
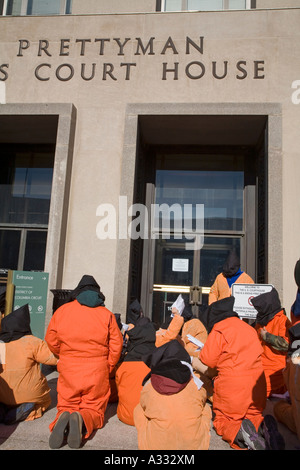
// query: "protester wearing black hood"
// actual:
[[86, 337], [230, 274], [24, 391], [288, 411], [239, 394], [172, 413], [134, 312], [272, 327], [130, 374]]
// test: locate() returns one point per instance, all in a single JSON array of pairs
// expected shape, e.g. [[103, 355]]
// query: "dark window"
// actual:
[[25, 193]]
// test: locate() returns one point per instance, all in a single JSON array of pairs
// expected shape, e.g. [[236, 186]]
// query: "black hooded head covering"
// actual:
[[15, 325], [134, 312], [2, 298], [118, 319], [141, 340], [87, 283], [297, 273], [166, 361], [218, 311], [232, 264], [267, 305], [187, 313]]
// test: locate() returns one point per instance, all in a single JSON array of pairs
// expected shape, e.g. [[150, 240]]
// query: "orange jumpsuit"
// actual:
[[132, 371], [220, 288], [89, 343], [129, 379], [232, 347], [21, 353], [21, 380], [274, 361], [178, 421]]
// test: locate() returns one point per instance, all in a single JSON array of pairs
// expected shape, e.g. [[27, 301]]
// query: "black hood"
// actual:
[[141, 340], [87, 282], [297, 273], [2, 298], [15, 325], [187, 313], [267, 305], [231, 265], [118, 319], [166, 361], [134, 312], [218, 311]]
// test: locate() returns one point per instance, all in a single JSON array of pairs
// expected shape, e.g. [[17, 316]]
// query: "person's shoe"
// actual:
[[75, 430], [18, 413], [252, 439], [57, 435], [271, 434]]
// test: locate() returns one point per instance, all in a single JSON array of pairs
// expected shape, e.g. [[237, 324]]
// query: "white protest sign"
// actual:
[[179, 304], [243, 293]]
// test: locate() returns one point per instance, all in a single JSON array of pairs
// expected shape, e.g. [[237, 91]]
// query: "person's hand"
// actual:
[[175, 311], [263, 333], [198, 365]]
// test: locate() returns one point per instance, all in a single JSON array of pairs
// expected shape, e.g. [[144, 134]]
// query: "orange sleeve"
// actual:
[[51, 336], [212, 349], [115, 344], [42, 353], [164, 336]]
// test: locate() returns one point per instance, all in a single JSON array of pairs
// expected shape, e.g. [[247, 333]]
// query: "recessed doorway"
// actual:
[[189, 161]]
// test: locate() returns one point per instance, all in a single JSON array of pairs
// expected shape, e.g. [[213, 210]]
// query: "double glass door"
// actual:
[[201, 212]]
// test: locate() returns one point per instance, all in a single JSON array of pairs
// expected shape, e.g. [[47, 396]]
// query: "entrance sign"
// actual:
[[243, 293], [31, 287]]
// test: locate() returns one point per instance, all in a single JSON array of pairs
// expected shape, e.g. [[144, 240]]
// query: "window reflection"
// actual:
[[9, 248], [43, 7], [204, 5], [221, 193], [25, 186]]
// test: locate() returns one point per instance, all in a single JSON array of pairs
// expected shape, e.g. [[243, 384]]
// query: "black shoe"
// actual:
[[75, 430], [18, 413], [272, 436], [56, 438], [252, 438]]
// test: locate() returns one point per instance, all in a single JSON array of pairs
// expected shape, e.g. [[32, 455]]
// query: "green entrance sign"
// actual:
[[31, 288]]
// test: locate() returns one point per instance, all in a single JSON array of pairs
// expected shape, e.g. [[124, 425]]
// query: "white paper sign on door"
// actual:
[[180, 265]]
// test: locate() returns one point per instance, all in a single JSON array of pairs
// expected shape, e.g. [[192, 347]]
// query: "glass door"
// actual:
[[188, 188]]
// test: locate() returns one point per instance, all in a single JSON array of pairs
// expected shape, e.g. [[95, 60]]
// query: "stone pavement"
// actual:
[[115, 435]]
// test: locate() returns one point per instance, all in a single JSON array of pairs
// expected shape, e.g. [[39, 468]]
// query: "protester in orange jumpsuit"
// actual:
[[86, 337], [24, 390], [272, 327], [239, 395], [231, 274], [132, 371], [172, 413], [287, 411]]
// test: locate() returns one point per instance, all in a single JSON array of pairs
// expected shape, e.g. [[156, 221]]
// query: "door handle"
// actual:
[[195, 295]]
